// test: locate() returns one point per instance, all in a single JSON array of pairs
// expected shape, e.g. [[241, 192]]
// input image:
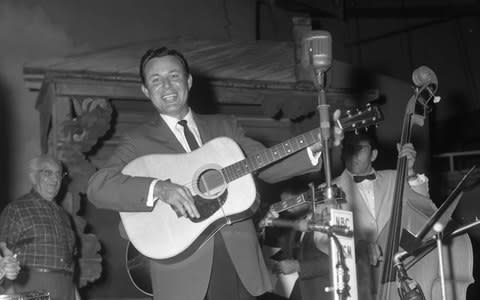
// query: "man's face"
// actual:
[[167, 85], [360, 161], [47, 179]]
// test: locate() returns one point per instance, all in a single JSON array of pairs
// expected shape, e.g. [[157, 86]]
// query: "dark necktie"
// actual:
[[192, 142], [361, 178]]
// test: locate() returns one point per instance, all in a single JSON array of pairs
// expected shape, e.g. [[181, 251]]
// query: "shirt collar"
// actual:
[[351, 175], [172, 121], [37, 195]]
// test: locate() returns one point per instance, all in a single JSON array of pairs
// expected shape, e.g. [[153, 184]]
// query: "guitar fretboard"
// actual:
[[270, 155]]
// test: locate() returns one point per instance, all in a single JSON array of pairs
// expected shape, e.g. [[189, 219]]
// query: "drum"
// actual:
[[34, 295]]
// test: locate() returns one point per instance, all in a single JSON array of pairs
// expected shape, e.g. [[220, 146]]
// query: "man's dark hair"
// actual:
[[161, 52], [352, 140]]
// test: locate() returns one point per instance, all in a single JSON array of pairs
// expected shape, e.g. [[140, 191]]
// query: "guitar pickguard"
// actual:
[[207, 207]]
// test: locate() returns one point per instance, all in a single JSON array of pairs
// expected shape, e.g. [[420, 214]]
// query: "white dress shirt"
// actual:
[[177, 130]]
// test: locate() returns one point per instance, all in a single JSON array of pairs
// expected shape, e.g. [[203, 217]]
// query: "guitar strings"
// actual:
[[191, 184]]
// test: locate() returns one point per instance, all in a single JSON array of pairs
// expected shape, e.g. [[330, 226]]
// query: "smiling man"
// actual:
[[229, 265], [40, 233]]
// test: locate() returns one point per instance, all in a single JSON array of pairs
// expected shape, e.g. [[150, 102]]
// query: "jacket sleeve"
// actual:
[[110, 189], [419, 199], [10, 226]]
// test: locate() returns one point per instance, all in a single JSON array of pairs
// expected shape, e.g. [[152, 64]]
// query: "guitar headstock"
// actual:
[[360, 118]]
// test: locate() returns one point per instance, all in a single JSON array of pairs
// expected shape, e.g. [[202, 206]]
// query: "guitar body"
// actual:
[[161, 234]]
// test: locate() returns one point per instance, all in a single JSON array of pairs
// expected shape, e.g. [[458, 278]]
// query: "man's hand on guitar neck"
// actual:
[[337, 135], [177, 196], [270, 215]]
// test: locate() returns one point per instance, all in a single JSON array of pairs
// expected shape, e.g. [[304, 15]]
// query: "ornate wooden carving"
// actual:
[[76, 135]]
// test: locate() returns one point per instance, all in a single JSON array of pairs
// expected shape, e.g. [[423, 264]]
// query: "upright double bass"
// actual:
[[458, 262]]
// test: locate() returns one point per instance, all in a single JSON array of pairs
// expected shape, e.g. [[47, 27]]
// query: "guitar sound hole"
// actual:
[[211, 183], [212, 193]]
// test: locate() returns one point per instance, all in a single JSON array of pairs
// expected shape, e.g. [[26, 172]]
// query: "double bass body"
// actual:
[[424, 269]]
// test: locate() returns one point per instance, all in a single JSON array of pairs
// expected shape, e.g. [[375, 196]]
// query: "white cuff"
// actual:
[[418, 180], [314, 158], [150, 200]]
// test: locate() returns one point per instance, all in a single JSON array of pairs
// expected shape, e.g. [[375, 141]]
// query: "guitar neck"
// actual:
[[271, 155], [308, 197], [353, 121]]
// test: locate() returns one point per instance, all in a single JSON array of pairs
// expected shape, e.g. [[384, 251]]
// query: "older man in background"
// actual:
[[40, 233]]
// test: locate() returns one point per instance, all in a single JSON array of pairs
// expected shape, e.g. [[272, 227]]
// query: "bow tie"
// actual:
[[361, 178]]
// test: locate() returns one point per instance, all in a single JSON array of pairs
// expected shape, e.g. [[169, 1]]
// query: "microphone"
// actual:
[[309, 225], [317, 53], [408, 289]]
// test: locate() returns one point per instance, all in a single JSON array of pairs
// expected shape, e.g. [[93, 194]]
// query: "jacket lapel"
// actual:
[[383, 206], [203, 128], [160, 131], [356, 200]]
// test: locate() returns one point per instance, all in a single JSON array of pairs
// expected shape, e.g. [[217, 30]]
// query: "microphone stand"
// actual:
[[438, 228], [318, 70], [324, 115]]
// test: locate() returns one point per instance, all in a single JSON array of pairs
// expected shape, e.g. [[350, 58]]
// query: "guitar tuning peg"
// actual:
[[356, 131], [349, 113]]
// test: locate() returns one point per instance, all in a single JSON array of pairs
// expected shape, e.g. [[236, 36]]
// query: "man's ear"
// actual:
[[190, 81], [374, 155], [145, 91], [33, 177]]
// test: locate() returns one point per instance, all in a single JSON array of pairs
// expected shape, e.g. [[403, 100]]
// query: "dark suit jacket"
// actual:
[[109, 188], [314, 273]]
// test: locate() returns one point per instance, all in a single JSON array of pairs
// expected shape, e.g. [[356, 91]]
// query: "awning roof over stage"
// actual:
[[252, 79], [259, 61], [249, 64]]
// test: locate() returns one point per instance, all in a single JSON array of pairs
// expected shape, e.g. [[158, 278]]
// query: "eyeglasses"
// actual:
[[50, 173]]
